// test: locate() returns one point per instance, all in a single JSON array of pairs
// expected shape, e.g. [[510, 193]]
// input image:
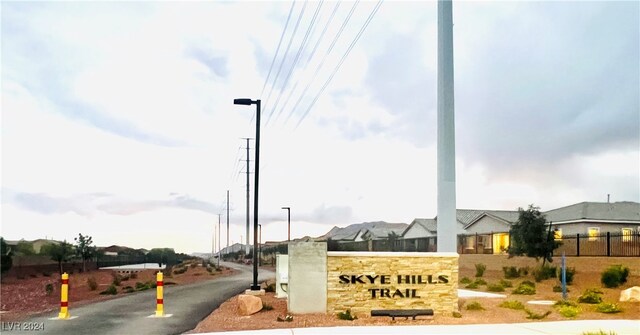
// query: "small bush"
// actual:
[[569, 311], [523, 271], [111, 290], [49, 288], [142, 286], [474, 306], [544, 272], [608, 308], [128, 289], [472, 285], [346, 315], [495, 288], [480, 281], [562, 303], [117, 279], [267, 307], [535, 316], [465, 280], [570, 272], [92, 283], [512, 304], [591, 296], [506, 283], [270, 288], [480, 268], [525, 288], [510, 272], [457, 314], [614, 276]]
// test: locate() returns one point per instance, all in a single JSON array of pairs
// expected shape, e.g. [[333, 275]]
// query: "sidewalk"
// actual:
[[619, 327]]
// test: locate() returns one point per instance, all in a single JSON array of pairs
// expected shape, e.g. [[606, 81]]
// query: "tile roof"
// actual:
[[614, 211]]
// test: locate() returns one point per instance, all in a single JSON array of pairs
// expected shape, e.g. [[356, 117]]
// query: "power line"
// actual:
[[278, 49], [353, 43], [324, 58], [301, 48]]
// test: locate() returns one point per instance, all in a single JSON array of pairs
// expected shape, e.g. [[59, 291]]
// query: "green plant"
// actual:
[[142, 286], [506, 283], [480, 281], [614, 276], [266, 307], [472, 285], [512, 304], [111, 290], [510, 272], [92, 283], [591, 296], [608, 308], [480, 268], [474, 306], [569, 272], [569, 311], [457, 314], [535, 316], [544, 272], [465, 280], [530, 235], [523, 271], [346, 315], [561, 303], [525, 288], [128, 289], [49, 288], [495, 288], [117, 279]]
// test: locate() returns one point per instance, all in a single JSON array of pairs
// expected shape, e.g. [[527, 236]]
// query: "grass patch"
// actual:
[[535, 316], [506, 283], [591, 296], [465, 280], [472, 285], [568, 311], [600, 332], [474, 306], [525, 288], [346, 315], [111, 290], [562, 303], [480, 281], [495, 288], [608, 308], [512, 304]]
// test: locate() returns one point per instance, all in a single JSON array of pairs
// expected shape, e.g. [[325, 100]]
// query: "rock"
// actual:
[[248, 304], [630, 294]]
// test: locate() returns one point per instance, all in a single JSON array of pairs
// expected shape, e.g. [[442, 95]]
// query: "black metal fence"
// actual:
[[606, 244]]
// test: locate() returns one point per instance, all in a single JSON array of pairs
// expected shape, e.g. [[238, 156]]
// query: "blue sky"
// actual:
[[118, 122]]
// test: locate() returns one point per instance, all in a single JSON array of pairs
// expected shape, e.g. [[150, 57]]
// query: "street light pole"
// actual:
[[260, 244], [255, 286], [288, 223]]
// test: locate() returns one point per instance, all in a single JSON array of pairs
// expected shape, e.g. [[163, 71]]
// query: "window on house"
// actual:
[[594, 233], [557, 233], [626, 234]]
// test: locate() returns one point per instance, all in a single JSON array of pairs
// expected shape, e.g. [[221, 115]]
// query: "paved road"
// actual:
[[189, 304]]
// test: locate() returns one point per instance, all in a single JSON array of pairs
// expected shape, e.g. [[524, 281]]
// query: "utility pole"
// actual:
[[219, 246], [227, 221], [247, 247]]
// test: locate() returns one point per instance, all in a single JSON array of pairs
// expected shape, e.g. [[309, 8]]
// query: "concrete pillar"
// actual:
[[307, 277], [446, 132]]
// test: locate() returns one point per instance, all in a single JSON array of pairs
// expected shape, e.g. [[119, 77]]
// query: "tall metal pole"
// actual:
[[288, 223], [247, 247], [260, 245], [446, 131], [219, 245], [256, 171], [227, 222]]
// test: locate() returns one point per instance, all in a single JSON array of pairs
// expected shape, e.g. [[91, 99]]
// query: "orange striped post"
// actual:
[[159, 294], [64, 297]]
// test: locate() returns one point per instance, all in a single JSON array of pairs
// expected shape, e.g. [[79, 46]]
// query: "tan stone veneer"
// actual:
[[432, 281]]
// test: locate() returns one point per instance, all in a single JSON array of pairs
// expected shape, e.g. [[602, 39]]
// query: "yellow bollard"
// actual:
[[64, 297], [159, 293]]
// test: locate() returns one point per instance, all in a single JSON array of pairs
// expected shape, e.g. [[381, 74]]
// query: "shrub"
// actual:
[[569, 311], [457, 314], [346, 315], [535, 316], [111, 290], [472, 285], [128, 289], [474, 306], [117, 279], [591, 296], [608, 308], [510, 272], [614, 276], [480, 281], [480, 268], [49, 288], [142, 286], [91, 282], [270, 288], [495, 288], [562, 303], [523, 271], [465, 280], [512, 304], [525, 288], [569, 272], [544, 272], [266, 307], [506, 283]]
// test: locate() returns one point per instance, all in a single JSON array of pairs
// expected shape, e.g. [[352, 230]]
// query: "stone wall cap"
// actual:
[[391, 254]]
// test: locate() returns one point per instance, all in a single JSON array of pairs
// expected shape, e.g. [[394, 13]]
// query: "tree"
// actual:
[[84, 249], [58, 252], [162, 256], [392, 239], [530, 236], [5, 256], [24, 248]]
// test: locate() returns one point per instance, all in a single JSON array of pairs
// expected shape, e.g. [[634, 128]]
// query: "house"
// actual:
[[37, 244], [595, 218], [365, 231]]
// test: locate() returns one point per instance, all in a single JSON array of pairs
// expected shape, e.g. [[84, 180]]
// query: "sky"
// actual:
[[118, 119]]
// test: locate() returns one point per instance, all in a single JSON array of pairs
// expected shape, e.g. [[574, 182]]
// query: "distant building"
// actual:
[[595, 218]]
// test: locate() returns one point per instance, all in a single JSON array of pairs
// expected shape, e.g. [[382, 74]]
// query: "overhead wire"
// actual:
[[278, 48], [353, 43]]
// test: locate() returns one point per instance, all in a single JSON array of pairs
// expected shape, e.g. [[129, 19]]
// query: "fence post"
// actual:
[[577, 245], [608, 244]]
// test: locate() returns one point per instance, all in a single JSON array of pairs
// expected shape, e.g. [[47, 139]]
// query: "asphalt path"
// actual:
[[188, 304]]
